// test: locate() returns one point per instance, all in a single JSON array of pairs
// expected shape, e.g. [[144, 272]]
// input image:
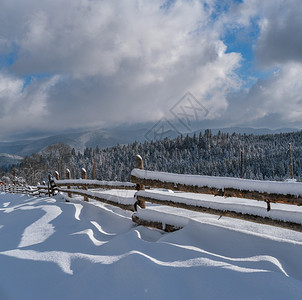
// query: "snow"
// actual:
[[52, 249], [163, 217], [94, 182], [273, 187], [41, 186], [281, 212], [11, 156], [125, 197]]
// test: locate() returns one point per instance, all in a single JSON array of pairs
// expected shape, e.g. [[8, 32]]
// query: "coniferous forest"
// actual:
[[265, 157]]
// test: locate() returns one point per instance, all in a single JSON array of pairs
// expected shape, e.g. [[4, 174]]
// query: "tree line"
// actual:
[[265, 157]]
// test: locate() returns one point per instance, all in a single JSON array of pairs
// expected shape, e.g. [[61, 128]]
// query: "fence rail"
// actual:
[[95, 184], [102, 197]]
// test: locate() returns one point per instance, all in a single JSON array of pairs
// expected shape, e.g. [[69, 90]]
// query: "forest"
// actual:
[[265, 157]]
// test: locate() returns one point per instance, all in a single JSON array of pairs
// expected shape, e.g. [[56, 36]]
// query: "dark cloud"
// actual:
[[281, 36]]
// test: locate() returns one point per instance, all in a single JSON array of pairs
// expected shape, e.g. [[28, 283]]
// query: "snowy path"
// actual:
[[51, 249]]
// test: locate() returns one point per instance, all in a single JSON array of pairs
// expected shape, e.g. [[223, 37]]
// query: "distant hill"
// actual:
[[110, 137], [8, 159], [78, 140], [255, 131]]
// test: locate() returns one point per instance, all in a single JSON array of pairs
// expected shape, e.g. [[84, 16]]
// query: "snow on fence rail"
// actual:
[[12, 188], [126, 203], [96, 184], [88, 183], [22, 189], [83, 184], [274, 191], [268, 191]]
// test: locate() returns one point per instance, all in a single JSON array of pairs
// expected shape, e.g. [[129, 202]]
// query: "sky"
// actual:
[[74, 64]]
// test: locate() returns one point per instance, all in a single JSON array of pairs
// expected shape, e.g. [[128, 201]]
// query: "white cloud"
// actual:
[[111, 62], [117, 61], [282, 93], [279, 22], [23, 109], [274, 102]]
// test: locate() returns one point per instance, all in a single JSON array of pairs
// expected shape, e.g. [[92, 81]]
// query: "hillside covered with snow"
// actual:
[[52, 249]]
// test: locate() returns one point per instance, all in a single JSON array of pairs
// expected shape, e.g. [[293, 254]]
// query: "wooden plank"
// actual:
[[98, 198], [226, 213], [154, 224], [227, 192], [108, 186]]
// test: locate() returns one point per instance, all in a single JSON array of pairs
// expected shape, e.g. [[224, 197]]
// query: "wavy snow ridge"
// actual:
[[91, 249]]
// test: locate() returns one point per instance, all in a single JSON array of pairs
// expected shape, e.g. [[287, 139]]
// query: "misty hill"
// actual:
[[105, 138], [9, 159], [78, 140]]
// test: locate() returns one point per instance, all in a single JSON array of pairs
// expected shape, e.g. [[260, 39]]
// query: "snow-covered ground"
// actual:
[[52, 249]]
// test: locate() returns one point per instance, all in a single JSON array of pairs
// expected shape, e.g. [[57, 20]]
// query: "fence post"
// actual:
[[68, 176], [84, 176], [241, 164], [48, 185], [291, 168], [57, 175], [52, 183], [140, 187]]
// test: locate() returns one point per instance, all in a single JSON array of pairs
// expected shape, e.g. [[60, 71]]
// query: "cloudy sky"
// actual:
[[73, 64]]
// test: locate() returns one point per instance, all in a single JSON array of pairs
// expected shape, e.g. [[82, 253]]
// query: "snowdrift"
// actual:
[[52, 249]]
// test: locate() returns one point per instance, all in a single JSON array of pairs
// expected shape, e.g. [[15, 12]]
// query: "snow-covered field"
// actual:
[[52, 249]]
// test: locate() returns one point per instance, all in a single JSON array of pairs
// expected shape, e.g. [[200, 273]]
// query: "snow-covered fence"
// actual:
[[13, 188], [224, 188], [273, 191], [83, 187], [43, 189], [32, 190], [91, 183], [127, 203], [22, 189]]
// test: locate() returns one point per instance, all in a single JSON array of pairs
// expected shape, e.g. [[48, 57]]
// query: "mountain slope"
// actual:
[[110, 137]]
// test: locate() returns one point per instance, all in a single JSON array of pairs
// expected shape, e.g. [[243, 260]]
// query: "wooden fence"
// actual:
[[12, 188], [213, 186], [23, 189], [89, 189], [270, 192], [94, 189]]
